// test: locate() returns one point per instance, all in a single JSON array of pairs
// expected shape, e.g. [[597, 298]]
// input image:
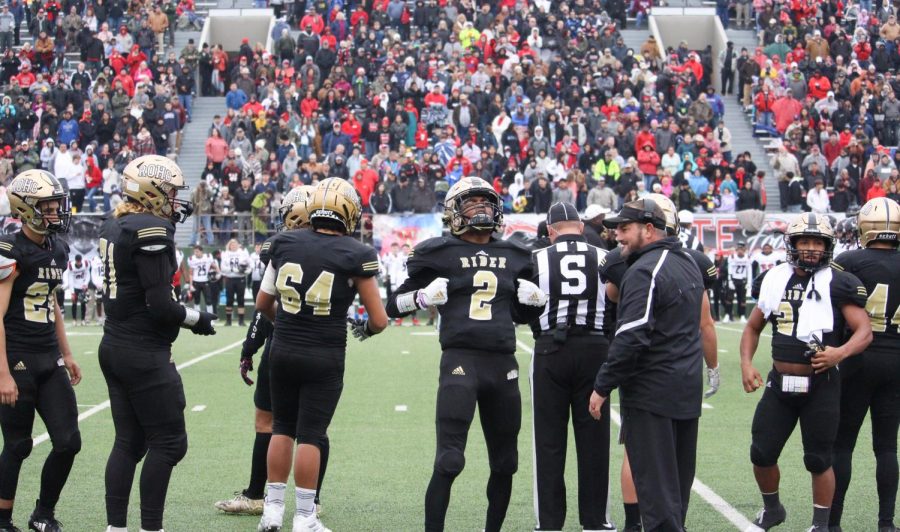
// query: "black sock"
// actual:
[[499, 489], [886, 479], [324, 451], [53, 479], [820, 515], [258, 472], [437, 498], [155, 476], [119, 477], [771, 501], [6, 516], [632, 514]]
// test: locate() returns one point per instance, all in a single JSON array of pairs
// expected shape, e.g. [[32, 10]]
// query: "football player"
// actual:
[[256, 266], [146, 395], [293, 214], [79, 278], [96, 289], [612, 270], [309, 344], [738, 273], [235, 265], [37, 370], [845, 232], [871, 381], [481, 289], [810, 307], [686, 233], [202, 265], [765, 260]]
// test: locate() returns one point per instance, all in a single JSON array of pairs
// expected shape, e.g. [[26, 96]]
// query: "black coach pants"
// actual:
[[663, 455], [562, 381]]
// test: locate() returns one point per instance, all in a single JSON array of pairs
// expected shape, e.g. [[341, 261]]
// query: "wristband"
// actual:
[[407, 302], [191, 317]]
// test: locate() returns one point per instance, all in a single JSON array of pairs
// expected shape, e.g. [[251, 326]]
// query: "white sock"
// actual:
[[209, 309], [111, 528], [306, 501], [274, 505]]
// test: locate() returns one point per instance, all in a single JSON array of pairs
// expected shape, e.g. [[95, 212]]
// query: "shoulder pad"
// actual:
[[427, 246], [7, 246]]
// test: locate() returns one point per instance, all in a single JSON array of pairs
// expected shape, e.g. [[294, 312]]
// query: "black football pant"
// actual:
[[562, 381], [869, 382], [737, 296], [778, 413], [663, 456], [262, 399], [204, 289], [147, 402], [234, 289], [79, 298], [44, 388], [254, 289], [491, 382]]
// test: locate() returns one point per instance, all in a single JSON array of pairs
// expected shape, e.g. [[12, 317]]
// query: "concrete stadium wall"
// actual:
[[229, 27], [698, 26]]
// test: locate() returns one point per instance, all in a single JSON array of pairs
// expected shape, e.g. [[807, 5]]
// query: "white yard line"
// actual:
[[712, 498], [198, 408], [105, 404]]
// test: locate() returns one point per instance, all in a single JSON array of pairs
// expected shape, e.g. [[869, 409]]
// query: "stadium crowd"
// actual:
[[822, 81]]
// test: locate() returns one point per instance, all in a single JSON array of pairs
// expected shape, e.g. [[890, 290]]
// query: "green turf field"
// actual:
[[381, 457]]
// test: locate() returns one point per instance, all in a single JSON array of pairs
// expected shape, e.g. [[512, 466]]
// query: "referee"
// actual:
[[656, 361], [569, 349]]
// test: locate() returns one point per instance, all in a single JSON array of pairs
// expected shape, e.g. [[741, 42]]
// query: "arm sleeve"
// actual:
[[420, 274], [268, 281], [260, 329], [632, 337], [154, 270], [526, 313]]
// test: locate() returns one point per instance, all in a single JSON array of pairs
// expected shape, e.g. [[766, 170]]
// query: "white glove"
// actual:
[[712, 377], [531, 294], [730, 284], [433, 294]]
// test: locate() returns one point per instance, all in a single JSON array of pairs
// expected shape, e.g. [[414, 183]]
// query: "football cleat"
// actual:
[[43, 522], [270, 522], [605, 527], [310, 523], [767, 519], [241, 505], [9, 528], [817, 528], [889, 528]]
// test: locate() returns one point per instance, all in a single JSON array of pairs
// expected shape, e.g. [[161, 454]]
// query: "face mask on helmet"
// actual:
[[51, 220], [808, 260], [179, 209], [480, 211]]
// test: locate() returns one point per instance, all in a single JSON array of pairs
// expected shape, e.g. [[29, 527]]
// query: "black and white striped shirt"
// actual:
[[568, 272]]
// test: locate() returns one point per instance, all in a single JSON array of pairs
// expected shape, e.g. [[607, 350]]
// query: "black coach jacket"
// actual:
[[655, 358]]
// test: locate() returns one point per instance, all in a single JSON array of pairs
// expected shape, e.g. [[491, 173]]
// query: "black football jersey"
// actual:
[[314, 280], [879, 272], [30, 320], [124, 299], [845, 289], [613, 267], [481, 310]]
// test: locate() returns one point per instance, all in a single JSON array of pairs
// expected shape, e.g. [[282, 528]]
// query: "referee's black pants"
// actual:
[[663, 456], [562, 381]]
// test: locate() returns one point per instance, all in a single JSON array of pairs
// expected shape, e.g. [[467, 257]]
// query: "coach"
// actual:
[[656, 361], [570, 346]]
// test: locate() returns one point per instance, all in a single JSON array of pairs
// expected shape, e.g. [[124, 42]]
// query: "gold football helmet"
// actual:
[[879, 220], [294, 210], [809, 225], [153, 181], [28, 190], [668, 208], [455, 208], [335, 199]]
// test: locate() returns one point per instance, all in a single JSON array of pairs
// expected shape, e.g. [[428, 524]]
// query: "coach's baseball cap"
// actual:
[[642, 211], [562, 212]]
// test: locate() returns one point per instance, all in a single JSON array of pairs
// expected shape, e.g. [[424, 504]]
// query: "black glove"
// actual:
[[360, 329], [205, 325], [246, 366]]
